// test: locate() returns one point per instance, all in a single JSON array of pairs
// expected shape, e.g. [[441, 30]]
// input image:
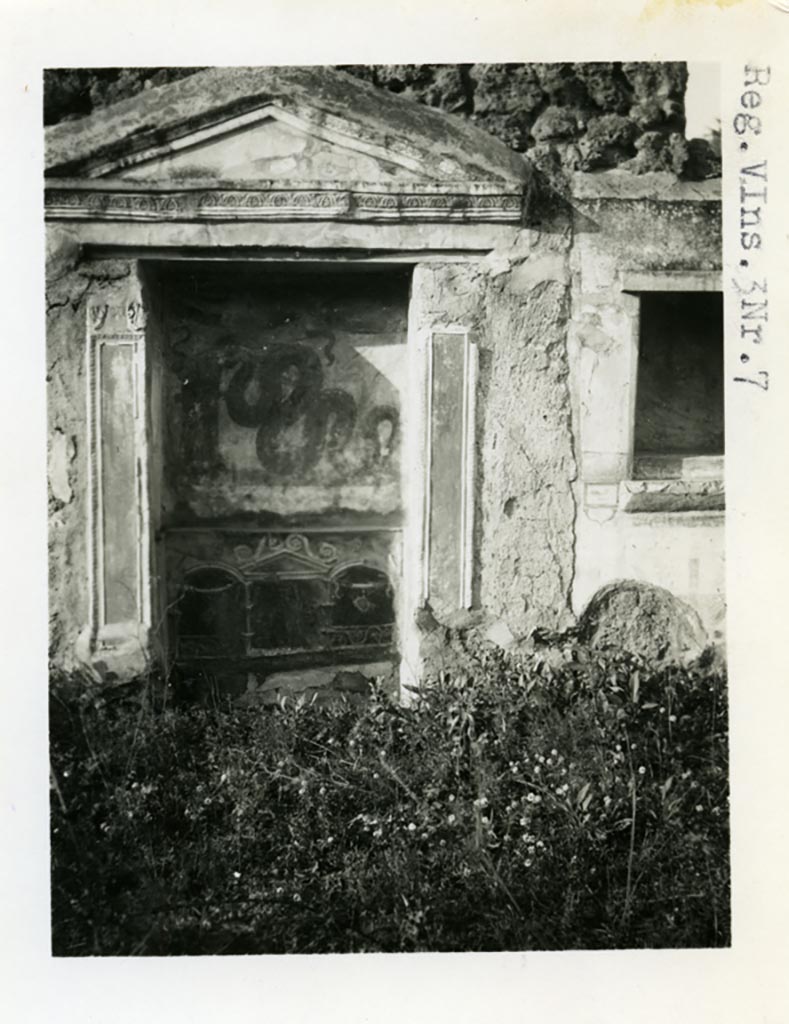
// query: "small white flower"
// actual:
[[642, 770], [451, 819], [672, 718], [699, 808], [411, 827], [236, 874]]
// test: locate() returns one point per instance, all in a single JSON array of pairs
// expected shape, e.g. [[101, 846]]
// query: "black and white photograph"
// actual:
[[394, 422], [386, 508]]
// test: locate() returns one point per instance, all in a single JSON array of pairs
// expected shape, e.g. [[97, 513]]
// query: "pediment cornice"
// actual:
[[119, 201]]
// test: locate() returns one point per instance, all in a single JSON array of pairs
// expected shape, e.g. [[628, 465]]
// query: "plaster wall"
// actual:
[[515, 302], [669, 533], [73, 284]]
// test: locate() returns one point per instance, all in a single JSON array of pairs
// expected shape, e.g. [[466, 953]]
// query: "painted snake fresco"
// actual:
[[281, 394]]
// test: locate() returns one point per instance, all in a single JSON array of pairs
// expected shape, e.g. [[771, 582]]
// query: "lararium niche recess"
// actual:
[[281, 512]]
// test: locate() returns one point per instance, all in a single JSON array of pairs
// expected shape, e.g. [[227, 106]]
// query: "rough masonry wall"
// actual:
[[528, 462], [516, 304], [578, 116]]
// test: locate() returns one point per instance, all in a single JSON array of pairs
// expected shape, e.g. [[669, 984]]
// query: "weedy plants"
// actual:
[[533, 802]]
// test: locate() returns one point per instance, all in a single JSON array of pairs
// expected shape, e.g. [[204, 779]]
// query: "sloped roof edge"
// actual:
[[448, 147]]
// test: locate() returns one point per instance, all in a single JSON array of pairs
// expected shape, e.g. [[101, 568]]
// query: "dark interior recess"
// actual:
[[279, 395], [679, 398]]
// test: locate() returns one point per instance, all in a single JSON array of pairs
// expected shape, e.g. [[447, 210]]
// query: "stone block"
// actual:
[[643, 619]]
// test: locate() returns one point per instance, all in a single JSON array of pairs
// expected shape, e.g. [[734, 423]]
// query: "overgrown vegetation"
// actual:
[[556, 800]]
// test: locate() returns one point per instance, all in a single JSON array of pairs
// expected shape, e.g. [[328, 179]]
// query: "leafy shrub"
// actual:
[[554, 800]]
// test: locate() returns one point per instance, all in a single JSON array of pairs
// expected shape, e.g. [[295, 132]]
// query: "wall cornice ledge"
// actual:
[[658, 185]]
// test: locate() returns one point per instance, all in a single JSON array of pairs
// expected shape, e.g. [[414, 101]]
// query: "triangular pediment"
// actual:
[[267, 144]]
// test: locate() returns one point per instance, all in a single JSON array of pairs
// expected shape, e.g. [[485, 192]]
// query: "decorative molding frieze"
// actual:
[[470, 202]]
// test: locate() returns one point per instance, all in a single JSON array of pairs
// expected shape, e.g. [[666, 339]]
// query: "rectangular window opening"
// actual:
[[679, 422]]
